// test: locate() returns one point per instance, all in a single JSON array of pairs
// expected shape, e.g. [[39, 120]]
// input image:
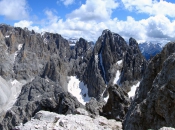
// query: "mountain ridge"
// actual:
[[48, 70]]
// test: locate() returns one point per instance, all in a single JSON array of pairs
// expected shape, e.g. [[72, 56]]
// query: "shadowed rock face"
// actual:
[[117, 104], [134, 65], [153, 106], [101, 69]]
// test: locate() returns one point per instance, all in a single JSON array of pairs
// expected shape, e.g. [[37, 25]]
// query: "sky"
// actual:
[[144, 20]]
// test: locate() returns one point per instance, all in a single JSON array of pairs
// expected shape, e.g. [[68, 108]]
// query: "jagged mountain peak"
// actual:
[[133, 42], [63, 76]]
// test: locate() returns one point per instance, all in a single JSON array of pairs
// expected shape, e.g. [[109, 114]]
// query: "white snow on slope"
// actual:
[[19, 48], [119, 62], [133, 89], [118, 73], [117, 77], [44, 120], [42, 33], [78, 89], [106, 98]]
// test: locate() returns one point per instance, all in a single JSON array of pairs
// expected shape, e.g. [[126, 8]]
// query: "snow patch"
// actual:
[[7, 36], [106, 98], [118, 73], [133, 89], [96, 58], [117, 78], [78, 89], [19, 48], [119, 62], [45, 41], [42, 34]]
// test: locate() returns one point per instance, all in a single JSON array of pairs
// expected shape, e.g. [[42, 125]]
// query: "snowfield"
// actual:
[[133, 89], [117, 77], [19, 48], [78, 89], [118, 73]]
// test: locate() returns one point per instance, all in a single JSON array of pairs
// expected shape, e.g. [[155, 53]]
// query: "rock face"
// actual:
[[40, 94], [117, 104], [48, 120], [134, 65], [101, 69], [153, 106], [95, 106]]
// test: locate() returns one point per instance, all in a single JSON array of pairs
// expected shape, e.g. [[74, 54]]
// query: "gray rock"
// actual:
[[153, 106], [39, 95], [134, 65], [117, 104], [95, 106], [53, 121]]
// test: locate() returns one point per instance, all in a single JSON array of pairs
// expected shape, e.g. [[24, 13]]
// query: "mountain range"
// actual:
[[49, 82], [150, 49]]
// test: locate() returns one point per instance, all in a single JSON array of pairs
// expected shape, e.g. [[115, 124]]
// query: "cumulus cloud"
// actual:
[[94, 10], [66, 2], [14, 9], [151, 7], [155, 28], [27, 24]]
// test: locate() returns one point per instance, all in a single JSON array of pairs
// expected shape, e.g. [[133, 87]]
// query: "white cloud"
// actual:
[[14, 9], [66, 2], [94, 10], [28, 24], [157, 27], [151, 7]]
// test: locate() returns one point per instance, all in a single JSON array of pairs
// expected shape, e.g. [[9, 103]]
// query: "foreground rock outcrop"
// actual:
[[48, 120], [117, 104]]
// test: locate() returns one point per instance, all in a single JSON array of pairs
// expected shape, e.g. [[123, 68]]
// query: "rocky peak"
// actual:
[[134, 65], [132, 42], [82, 47]]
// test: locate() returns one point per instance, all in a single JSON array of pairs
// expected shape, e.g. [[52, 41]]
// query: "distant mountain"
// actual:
[[72, 42], [150, 49]]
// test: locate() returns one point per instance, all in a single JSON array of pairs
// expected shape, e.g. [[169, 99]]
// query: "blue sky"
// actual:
[[144, 20]]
